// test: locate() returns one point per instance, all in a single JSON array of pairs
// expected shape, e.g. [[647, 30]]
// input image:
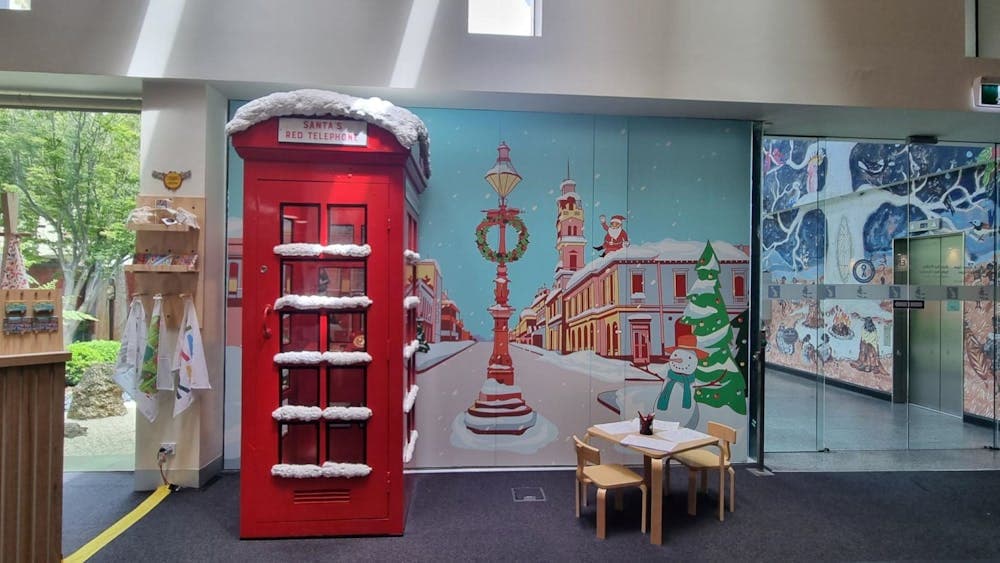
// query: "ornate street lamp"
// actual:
[[503, 178], [500, 408]]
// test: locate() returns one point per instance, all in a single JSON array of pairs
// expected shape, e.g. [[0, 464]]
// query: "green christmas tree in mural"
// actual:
[[720, 381]]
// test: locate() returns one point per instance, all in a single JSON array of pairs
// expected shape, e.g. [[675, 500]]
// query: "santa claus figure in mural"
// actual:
[[676, 400], [615, 237]]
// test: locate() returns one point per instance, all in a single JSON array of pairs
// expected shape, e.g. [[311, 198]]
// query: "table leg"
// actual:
[[656, 502], [647, 470]]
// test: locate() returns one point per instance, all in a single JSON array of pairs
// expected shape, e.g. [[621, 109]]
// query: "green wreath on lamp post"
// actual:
[[502, 257]]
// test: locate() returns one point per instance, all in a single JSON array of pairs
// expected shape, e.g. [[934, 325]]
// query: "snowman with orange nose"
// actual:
[[676, 400]]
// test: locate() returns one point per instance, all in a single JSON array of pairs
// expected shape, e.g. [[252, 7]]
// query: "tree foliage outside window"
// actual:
[[77, 176]]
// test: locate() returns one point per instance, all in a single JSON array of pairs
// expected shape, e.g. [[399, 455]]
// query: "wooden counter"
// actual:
[[31, 456]]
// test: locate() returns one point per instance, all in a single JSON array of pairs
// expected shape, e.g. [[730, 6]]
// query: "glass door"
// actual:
[[878, 262], [948, 260], [793, 236]]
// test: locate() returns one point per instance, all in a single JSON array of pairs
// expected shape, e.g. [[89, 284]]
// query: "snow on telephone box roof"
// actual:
[[402, 123]]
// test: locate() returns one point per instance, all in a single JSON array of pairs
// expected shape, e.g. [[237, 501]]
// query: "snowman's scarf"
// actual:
[[673, 379]]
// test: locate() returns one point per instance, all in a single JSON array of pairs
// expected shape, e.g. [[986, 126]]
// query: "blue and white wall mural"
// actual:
[[832, 210]]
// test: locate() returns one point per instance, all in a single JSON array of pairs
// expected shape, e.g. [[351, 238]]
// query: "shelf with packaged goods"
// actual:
[[162, 269], [171, 258], [161, 227]]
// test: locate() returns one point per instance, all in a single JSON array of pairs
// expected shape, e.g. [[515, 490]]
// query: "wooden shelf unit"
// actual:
[[159, 227], [169, 280], [163, 269]]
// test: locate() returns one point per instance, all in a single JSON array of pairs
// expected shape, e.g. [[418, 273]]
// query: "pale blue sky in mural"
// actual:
[[670, 177]]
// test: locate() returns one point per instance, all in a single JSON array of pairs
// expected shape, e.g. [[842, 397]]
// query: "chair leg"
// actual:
[[642, 487], [732, 490], [692, 493], [722, 496], [578, 486], [601, 513]]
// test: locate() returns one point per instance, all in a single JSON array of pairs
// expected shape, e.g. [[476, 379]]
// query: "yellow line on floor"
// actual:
[[116, 529]]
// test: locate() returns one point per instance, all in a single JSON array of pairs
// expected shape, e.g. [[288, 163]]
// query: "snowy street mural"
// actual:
[[596, 307], [600, 296], [834, 222]]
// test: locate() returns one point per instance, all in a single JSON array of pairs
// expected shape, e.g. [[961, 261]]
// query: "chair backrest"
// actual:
[[585, 454], [725, 433]]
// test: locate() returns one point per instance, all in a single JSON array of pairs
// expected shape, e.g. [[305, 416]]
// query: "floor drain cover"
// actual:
[[528, 494]]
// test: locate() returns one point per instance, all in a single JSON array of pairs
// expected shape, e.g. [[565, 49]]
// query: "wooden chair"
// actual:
[[703, 460], [605, 477]]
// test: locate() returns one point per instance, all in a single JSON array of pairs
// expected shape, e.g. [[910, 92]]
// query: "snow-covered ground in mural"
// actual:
[[564, 399], [533, 439], [591, 364], [562, 390], [439, 352]]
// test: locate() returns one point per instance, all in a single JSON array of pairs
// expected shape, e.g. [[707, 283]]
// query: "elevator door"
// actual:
[[935, 332]]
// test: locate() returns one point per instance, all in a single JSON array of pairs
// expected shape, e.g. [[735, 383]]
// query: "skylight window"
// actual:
[[15, 4], [521, 18]]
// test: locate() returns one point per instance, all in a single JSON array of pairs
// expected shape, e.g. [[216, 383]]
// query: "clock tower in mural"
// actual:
[[570, 240]]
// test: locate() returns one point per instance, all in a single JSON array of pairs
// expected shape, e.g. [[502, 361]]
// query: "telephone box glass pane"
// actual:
[[310, 277], [347, 225], [341, 280], [299, 223], [299, 332], [346, 387], [347, 332], [345, 442], [299, 443], [299, 386]]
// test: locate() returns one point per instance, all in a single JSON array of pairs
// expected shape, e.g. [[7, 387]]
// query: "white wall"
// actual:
[[859, 53], [989, 28], [182, 129]]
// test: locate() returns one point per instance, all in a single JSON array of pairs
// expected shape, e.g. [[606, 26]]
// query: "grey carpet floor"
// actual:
[[472, 517]]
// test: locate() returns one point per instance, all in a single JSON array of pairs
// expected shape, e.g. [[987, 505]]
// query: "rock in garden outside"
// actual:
[[97, 395]]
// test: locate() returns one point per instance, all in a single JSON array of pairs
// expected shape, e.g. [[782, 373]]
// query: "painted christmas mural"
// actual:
[[565, 260], [595, 298], [832, 211]]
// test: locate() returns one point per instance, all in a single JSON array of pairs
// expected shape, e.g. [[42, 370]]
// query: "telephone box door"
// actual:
[[315, 412]]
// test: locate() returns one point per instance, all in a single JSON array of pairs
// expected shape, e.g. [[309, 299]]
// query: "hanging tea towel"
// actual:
[[189, 360], [164, 358], [129, 363]]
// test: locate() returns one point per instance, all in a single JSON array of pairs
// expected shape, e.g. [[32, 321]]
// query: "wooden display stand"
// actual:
[[31, 439], [32, 382], [170, 280], [32, 341]]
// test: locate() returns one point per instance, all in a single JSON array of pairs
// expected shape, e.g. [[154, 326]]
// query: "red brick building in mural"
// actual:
[[452, 327], [439, 315]]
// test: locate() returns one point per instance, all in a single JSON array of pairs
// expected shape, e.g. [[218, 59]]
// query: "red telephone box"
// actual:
[[328, 335]]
